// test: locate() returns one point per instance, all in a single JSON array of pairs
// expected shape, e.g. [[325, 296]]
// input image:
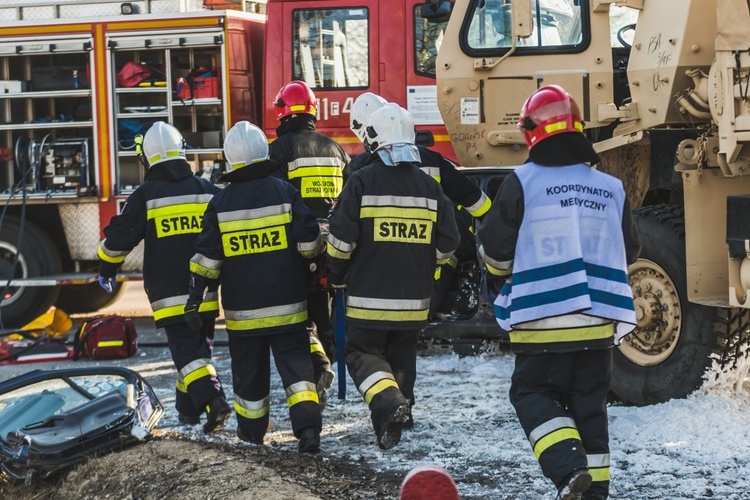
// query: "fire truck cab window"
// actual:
[[428, 35], [331, 48], [557, 25]]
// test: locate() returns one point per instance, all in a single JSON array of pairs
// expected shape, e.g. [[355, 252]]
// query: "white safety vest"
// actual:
[[570, 253]]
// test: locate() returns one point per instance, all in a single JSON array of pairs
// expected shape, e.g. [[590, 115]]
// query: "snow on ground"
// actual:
[[697, 447]]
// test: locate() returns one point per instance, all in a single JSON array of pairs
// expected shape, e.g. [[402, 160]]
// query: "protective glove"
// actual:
[[107, 283], [198, 285], [192, 317]]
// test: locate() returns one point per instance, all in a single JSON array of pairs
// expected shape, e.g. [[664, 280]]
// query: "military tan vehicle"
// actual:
[[668, 111]]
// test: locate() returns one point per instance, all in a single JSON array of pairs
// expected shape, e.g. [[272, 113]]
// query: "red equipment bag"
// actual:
[[132, 73], [106, 337]]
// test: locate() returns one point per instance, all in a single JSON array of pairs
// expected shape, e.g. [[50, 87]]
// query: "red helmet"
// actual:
[[295, 98], [549, 111]]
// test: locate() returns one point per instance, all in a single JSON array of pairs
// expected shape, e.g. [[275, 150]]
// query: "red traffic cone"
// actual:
[[428, 482]]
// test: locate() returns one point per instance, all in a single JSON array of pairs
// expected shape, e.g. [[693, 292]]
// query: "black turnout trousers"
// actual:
[[251, 376], [550, 386], [188, 346]]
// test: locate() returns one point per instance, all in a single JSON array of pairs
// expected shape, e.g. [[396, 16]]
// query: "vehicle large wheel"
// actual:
[[37, 256], [666, 356], [87, 298]]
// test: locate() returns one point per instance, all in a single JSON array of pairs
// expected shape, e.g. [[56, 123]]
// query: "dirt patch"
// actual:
[[172, 467]]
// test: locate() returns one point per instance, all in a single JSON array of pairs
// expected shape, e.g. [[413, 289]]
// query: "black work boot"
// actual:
[[217, 412], [309, 440], [186, 419], [241, 435], [575, 485], [389, 432]]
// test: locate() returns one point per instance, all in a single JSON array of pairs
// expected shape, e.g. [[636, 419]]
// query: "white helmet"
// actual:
[[391, 133], [161, 143], [364, 106], [244, 144]]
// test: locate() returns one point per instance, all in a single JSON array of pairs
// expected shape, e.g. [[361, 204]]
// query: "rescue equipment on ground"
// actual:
[[51, 420], [106, 337], [43, 339]]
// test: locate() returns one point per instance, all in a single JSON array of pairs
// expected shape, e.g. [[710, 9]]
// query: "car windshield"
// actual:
[[39, 401]]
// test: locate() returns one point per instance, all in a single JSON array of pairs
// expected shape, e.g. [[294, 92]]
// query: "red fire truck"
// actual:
[[79, 79]]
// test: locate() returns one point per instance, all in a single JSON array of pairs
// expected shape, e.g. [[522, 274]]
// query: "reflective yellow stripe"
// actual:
[[315, 172], [554, 127], [110, 343], [483, 209], [553, 438], [178, 310], [597, 332], [204, 271], [498, 272], [204, 371], [302, 396], [380, 314], [256, 223], [316, 347], [379, 387], [299, 107], [332, 251], [252, 324], [600, 474], [177, 209], [170, 154], [251, 413], [181, 386], [106, 258], [266, 239], [402, 213], [438, 272]]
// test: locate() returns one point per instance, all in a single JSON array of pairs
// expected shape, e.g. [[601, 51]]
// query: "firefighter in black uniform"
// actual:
[[166, 211], [467, 197], [390, 227], [563, 234], [313, 163], [256, 234]]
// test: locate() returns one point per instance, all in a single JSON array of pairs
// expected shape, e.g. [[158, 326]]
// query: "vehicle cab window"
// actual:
[[557, 25], [331, 47], [428, 36]]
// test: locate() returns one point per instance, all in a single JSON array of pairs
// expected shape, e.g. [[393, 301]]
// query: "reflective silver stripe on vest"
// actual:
[[192, 366], [300, 387], [311, 246], [266, 312], [374, 379], [388, 304], [341, 245], [254, 213], [497, 264], [112, 253], [204, 261], [433, 172], [315, 162], [442, 256], [550, 426], [476, 206], [181, 300], [399, 201], [178, 200]]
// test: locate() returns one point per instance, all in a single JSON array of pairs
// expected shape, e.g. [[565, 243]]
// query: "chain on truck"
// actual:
[[79, 79], [663, 87]]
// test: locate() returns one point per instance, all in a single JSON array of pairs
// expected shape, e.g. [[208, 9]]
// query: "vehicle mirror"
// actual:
[[521, 12], [436, 11]]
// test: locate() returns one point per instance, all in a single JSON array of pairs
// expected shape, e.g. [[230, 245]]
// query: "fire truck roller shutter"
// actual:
[[37, 256]]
